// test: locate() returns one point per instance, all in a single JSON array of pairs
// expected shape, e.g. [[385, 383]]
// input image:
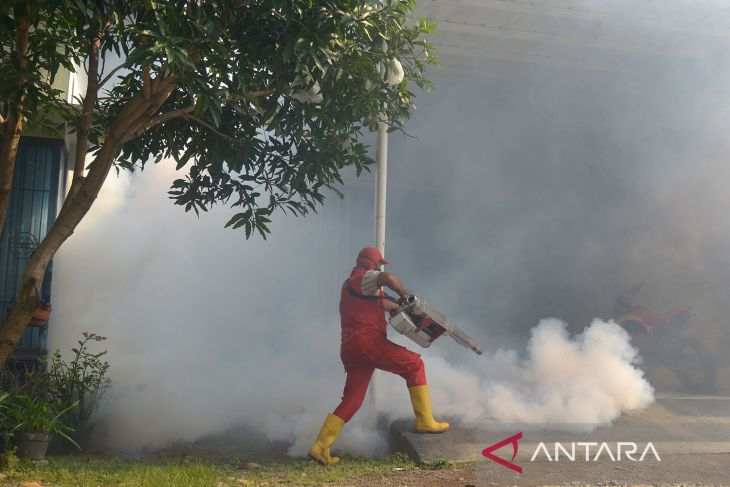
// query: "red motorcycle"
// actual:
[[662, 342]]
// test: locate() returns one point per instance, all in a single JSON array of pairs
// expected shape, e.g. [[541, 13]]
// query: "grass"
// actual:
[[91, 471]]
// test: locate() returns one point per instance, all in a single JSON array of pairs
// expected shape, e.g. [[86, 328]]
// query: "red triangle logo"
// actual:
[[487, 452]]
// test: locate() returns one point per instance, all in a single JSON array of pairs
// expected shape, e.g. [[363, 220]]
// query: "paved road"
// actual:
[[689, 437]]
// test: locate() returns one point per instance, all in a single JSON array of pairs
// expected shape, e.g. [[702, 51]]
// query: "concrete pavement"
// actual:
[[677, 423]]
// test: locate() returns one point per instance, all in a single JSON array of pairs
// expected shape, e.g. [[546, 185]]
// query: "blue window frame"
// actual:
[[37, 190]]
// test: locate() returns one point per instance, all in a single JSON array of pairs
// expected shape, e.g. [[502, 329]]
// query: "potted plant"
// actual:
[[33, 421]]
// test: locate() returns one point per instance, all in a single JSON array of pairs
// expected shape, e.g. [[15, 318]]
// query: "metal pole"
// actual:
[[381, 186], [381, 179]]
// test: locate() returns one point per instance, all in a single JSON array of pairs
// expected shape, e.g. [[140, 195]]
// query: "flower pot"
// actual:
[[32, 445], [40, 316]]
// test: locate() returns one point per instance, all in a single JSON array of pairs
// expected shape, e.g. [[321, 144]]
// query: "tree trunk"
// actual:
[[9, 141], [28, 299], [13, 126], [139, 113]]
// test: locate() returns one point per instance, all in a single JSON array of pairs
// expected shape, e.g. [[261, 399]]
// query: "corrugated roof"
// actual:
[[578, 34]]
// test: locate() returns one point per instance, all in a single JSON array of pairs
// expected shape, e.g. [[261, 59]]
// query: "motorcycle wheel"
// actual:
[[693, 365]]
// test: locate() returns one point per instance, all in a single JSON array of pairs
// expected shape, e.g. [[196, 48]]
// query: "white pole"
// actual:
[[381, 179], [381, 186]]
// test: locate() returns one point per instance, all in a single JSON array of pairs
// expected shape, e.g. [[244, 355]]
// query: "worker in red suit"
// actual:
[[365, 347]]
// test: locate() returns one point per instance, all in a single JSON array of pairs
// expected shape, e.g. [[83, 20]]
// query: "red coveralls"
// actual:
[[365, 346]]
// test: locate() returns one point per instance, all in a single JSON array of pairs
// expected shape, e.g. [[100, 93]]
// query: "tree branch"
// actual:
[[260, 93], [146, 88], [118, 98], [233, 100], [12, 127], [158, 120], [255, 94], [82, 133], [160, 75], [111, 73], [207, 125], [138, 110]]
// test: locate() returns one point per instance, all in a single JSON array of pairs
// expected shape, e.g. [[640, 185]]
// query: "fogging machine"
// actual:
[[418, 320]]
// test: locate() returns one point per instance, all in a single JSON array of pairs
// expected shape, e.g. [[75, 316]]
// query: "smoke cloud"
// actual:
[[590, 378], [528, 190]]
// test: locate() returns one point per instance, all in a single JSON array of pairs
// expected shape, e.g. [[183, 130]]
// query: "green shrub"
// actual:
[[82, 381], [56, 396]]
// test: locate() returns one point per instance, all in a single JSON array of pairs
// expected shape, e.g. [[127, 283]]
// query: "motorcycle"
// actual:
[[661, 340]]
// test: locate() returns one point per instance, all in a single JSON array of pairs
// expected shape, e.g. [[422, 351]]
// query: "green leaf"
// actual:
[[136, 56]]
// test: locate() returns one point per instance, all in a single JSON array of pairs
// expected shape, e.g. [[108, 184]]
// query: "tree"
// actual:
[[262, 103]]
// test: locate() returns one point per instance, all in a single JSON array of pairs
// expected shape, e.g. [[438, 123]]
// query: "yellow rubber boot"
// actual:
[[320, 451], [421, 400]]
